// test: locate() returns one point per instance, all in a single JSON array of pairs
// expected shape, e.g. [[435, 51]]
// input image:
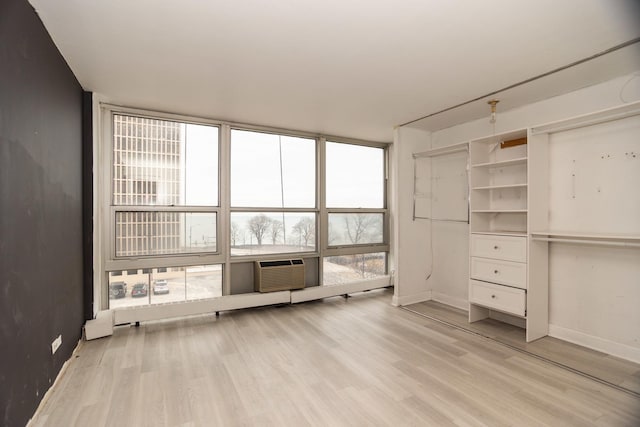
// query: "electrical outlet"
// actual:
[[56, 344]]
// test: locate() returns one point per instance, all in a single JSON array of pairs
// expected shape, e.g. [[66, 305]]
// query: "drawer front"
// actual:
[[497, 271], [502, 298], [508, 248]]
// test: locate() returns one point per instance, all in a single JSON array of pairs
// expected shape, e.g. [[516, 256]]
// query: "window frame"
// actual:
[[363, 248], [105, 260], [257, 209], [111, 261]]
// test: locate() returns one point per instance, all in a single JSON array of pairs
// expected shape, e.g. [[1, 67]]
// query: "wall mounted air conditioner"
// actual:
[[282, 275]]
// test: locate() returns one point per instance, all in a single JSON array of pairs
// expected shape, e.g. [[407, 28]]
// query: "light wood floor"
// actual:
[[355, 362], [614, 370]]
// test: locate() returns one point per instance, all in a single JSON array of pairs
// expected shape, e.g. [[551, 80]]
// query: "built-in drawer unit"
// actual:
[[508, 248], [501, 298], [498, 271]]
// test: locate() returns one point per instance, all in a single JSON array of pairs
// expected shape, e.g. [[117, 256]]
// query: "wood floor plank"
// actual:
[[609, 368], [334, 362]]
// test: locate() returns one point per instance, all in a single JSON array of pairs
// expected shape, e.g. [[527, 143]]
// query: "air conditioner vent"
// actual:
[[280, 275]]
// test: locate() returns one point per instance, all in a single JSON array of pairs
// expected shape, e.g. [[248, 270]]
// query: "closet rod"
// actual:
[[443, 219], [427, 154], [529, 80], [587, 242]]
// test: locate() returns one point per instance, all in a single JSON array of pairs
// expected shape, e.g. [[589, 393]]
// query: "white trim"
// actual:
[[618, 112], [322, 218], [224, 199], [49, 391], [399, 301], [189, 308], [101, 326], [97, 203], [460, 303], [372, 248], [616, 349], [318, 292]]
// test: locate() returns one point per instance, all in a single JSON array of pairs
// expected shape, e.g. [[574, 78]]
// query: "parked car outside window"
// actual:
[[117, 290], [160, 287], [139, 290]]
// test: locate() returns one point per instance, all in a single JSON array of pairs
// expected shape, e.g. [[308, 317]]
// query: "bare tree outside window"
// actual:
[[355, 228], [259, 233], [258, 226], [305, 229], [235, 233], [276, 230], [359, 227], [350, 268]]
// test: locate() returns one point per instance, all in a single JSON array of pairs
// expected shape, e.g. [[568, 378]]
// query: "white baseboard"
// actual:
[[411, 299], [48, 393], [318, 292], [234, 302], [101, 326], [622, 351], [179, 309], [456, 302]]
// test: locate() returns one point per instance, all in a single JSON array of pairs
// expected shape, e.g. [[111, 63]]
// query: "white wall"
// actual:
[[410, 254], [450, 263], [594, 292]]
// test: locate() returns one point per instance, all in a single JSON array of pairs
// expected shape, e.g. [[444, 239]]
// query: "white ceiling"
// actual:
[[353, 68]]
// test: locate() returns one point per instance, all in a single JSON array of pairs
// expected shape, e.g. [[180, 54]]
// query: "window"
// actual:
[[259, 233], [164, 285], [272, 171], [165, 187], [275, 176], [173, 234], [355, 228], [354, 176], [351, 268], [164, 233], [356, 213]]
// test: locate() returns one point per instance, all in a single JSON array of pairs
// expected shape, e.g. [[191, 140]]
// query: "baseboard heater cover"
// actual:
[[180, 309], [326, 291]]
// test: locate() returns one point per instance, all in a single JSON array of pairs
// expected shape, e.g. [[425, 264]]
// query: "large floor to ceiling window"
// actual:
[[356, 213], [191, 203]]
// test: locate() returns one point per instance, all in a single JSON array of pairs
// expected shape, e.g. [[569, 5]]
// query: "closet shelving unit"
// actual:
[[594, 200], [499, 178], [498, 185], [516, 214], [609, 125]]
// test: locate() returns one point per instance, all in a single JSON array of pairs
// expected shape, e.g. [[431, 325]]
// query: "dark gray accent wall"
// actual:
[[41, 258]]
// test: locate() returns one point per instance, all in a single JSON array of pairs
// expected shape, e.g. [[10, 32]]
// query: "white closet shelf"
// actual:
[[498, 187], [502, 163], [448, 149], [502, 233], [609, 114], [499, 211]]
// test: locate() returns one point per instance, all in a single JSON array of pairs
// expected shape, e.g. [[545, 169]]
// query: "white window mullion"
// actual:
[[322, 229]]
